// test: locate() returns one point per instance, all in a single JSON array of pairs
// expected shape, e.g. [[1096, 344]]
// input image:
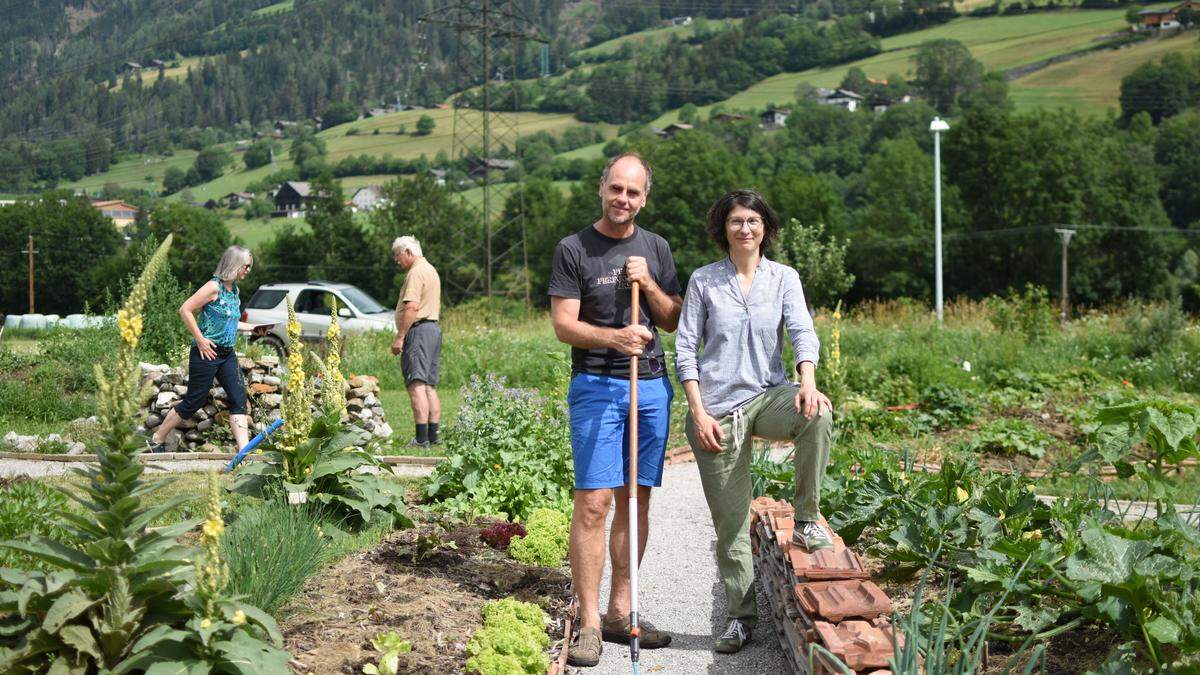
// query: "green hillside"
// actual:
[[652, 35], [1001, 43], [1092, 83]]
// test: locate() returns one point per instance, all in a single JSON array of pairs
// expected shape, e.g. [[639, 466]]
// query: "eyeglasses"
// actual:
[[737, 223]]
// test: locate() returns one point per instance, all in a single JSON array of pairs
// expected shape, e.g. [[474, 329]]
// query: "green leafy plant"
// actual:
[[1154, 327], [549, 533], [508, 452], [1007, 436], [512, 640], [26, 509], [1143, 437], [117, 600], [390, 646], [272, 549], [315, 458], [1026, 313], [948, 406]]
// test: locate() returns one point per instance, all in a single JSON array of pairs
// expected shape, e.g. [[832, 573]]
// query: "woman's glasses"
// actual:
[[738, 223]]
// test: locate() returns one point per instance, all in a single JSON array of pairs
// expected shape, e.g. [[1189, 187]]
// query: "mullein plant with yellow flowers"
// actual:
[[108, 596], [223, 634], [317, 459]]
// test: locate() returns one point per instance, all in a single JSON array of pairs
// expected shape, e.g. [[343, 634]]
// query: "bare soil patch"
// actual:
[[434, 602]]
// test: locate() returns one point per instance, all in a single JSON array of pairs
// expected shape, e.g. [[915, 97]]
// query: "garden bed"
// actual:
[[428, 584]]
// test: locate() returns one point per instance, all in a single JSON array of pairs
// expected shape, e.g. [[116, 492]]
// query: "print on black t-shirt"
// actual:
[[590, 267]]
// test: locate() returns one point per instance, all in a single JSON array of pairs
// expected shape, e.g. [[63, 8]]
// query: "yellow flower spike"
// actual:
[[239, 617], [205, 624], [962, 494], [213, 528]]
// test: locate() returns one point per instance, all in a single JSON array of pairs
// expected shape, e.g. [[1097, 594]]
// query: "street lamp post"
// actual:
[[937, 126]]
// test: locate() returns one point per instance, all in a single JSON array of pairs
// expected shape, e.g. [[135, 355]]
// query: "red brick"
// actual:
[[861, 645], [834, 601]]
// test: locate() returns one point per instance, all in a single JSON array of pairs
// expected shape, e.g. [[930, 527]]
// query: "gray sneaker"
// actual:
[[737, 635], [811, 535]]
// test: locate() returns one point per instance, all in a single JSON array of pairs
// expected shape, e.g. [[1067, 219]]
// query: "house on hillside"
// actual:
[[131, 66], [681, 21], [481, 166], [156, 63], [366, 198], [842, 97], [729, 118], [1157, 19], [673, 129], [122, 214], [439, 176], [291, 198], [774, 118], [234, 200]]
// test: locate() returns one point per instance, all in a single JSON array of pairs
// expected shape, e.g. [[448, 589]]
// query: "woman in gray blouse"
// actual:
[[729, 355]]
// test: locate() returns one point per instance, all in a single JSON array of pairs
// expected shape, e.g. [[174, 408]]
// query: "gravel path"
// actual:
[[681, 594], [35, 468]]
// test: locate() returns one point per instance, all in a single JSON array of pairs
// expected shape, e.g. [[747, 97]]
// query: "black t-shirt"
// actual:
[[590, 267]]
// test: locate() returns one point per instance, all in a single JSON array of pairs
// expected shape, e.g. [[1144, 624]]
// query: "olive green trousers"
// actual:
[[726, 480]]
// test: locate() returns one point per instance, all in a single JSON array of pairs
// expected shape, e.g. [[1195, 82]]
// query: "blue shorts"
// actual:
[[599, 409]]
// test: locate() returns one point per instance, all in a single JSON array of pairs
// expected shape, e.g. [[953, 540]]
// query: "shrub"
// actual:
[[547, 541], [26, 507], [1154, 327], [509, 452], [1027, 313], [512, 640], [271, 550]]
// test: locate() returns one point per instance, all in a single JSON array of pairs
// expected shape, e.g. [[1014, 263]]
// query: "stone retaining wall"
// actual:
[[824, 598], [264, 380]]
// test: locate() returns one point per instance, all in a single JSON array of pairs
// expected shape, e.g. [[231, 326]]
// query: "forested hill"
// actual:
[[228, 66]]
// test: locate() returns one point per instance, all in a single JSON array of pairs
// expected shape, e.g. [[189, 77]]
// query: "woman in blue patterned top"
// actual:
[[212, 355]]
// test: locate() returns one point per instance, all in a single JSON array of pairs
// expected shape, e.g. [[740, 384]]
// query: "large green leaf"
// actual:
[[81, 640], [53, 552], [244, 654], [337, 464], [1163, 630], [66, 607], [1106, 558]]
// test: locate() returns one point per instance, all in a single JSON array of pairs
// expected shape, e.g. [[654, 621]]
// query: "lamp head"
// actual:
[[938, 124]]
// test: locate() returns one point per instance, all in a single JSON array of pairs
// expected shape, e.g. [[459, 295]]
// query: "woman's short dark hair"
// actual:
[[718, 213]]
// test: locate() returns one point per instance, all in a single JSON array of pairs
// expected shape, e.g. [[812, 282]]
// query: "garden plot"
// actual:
[[431, 593]]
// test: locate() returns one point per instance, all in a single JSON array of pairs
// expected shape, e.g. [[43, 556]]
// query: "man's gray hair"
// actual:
[[407, 243], [232, 261], [645, 165]]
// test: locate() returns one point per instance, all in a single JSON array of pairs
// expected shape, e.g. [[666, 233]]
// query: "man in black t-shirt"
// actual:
[[590, 302]]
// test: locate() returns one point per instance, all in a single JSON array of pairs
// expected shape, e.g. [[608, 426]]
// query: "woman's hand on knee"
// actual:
[[709, 432], [810, 402]]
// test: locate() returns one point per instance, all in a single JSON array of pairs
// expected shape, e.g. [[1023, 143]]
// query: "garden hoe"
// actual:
[[633, 490]]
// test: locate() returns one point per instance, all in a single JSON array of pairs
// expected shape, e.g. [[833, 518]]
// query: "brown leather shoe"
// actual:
[[585, 651], [649, 637]]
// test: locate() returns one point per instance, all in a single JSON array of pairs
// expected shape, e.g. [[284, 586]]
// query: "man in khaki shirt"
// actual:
[[419, 337]]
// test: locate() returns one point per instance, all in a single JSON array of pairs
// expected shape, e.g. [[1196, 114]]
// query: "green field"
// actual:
[[1092, 83], [285, 6], [1001, 43], [651, 35], [132, 171]]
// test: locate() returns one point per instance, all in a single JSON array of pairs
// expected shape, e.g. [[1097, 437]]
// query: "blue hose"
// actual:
[[237, 459]]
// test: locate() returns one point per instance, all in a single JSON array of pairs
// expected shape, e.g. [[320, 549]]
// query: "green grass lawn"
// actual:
[[285, 6], [1092, 83]]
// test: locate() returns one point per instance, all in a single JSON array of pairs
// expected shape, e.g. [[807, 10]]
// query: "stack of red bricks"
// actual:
[[824, 598]]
